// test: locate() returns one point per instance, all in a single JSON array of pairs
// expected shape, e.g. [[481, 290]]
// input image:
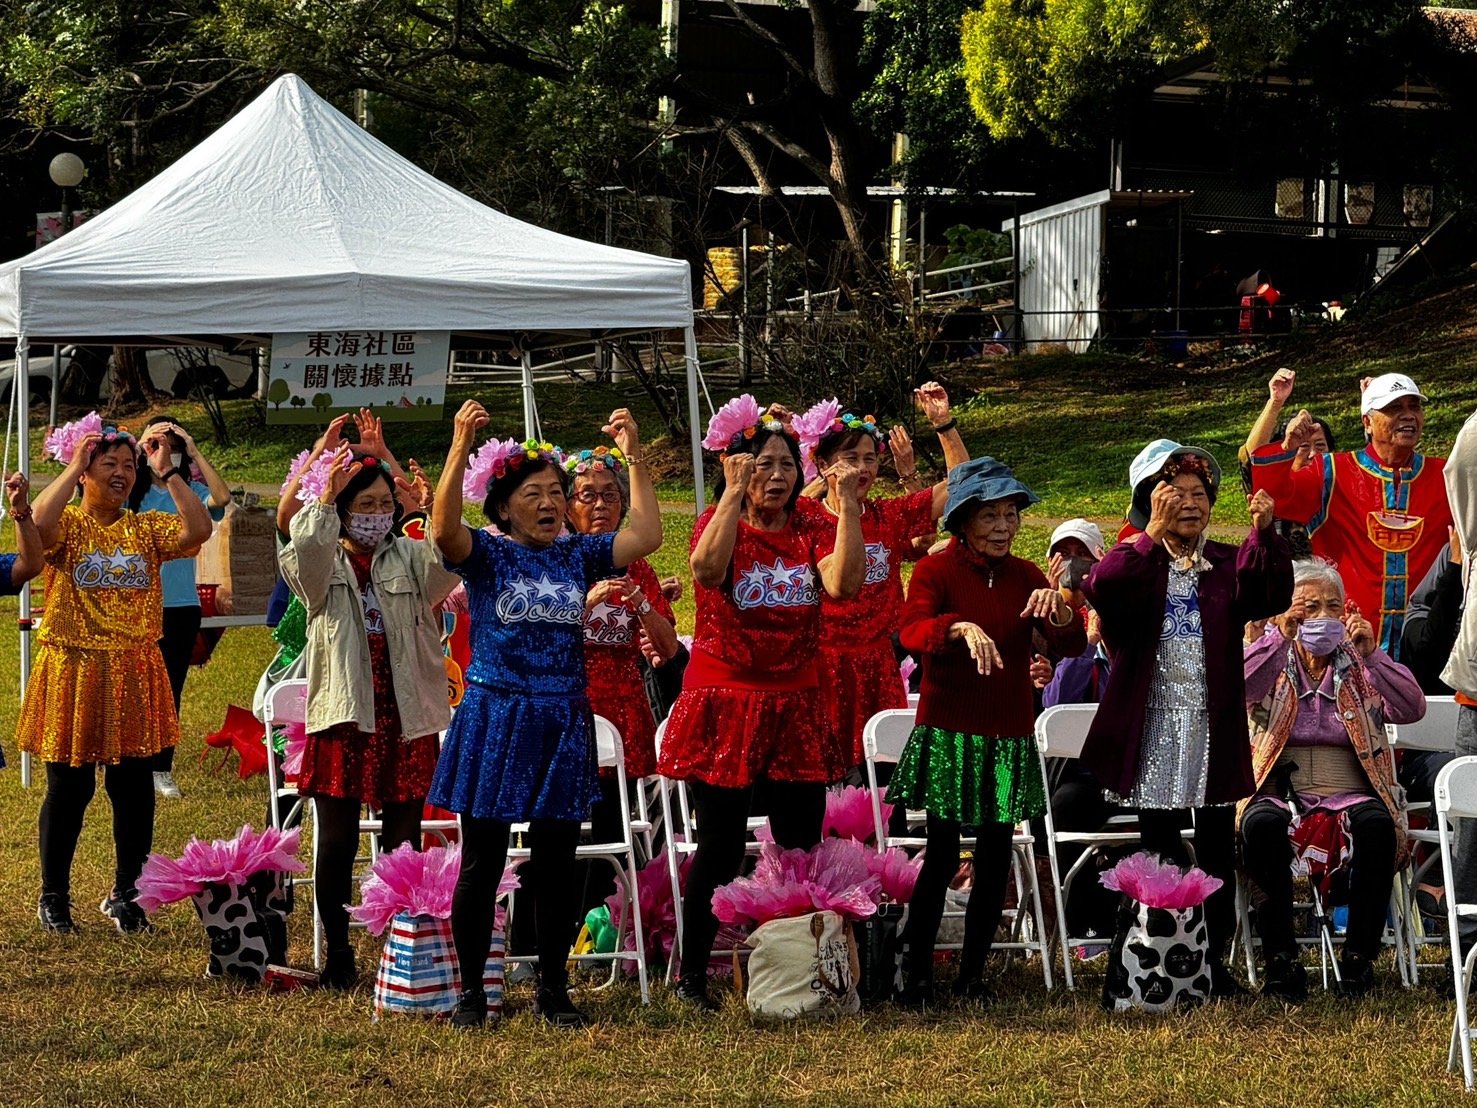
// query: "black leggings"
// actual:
[[69, 790], [986, 898], [1268, 859], [554, 886], [797, 810], [337, 830], [181, 626], [1161, 832]]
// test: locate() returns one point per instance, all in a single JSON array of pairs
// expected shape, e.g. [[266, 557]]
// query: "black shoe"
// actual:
[[124, 911], [1286, 979], [973, 990], [1356, 975], [471, 1009], [1223, 986], [916, 995], [55, 913], [339, 970], [693, 991], [553, 1006]]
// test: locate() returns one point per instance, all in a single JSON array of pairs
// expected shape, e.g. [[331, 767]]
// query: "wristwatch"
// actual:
[[644, 608]]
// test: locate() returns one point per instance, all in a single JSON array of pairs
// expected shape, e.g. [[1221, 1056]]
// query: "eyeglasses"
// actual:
[[590, 496]]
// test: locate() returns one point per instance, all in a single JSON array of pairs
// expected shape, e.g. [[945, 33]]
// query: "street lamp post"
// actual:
[[66, 171]]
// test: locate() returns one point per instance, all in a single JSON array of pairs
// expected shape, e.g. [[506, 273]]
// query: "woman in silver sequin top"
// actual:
[[1170, 738]]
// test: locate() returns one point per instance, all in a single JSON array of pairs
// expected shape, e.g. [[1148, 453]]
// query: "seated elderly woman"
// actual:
[[1320, 691]]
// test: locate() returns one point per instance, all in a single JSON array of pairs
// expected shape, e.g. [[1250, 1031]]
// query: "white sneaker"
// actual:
[[164, 785]]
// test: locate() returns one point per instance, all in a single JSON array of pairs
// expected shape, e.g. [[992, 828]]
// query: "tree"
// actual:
[[278, 391], [298, 402], [322, 401]]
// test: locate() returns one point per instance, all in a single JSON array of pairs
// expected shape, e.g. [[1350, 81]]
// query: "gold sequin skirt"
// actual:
[[88, 706]]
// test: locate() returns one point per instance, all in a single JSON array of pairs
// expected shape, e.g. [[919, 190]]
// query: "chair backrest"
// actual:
[[1436, 730], [608, 747], [887, 733], [1062, 729], [286, 702], [1456, 789]]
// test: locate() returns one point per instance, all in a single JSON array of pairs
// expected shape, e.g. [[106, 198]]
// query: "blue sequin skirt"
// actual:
[[514, 757]]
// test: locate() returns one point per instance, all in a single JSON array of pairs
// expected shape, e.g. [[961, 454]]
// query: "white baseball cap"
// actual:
[[1089, 533], [1386, 389]]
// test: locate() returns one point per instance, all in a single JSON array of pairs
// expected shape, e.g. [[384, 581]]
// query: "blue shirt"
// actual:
[[528, 610], [7, 570], [178, 576]]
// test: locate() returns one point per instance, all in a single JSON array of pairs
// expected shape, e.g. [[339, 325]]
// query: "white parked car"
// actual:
[[173, 370]]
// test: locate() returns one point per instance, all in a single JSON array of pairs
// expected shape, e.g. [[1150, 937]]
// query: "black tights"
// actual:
[[337, 832], [986, 898], [69, 790], [181, 626], [1268, 858], [550, 876], [1161, 832], [796, 811]]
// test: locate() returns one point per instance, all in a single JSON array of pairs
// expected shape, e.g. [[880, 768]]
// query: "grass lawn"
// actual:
[[106, 1019]]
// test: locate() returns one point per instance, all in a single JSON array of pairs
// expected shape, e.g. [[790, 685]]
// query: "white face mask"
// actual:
[[176, 460], [368, 529]]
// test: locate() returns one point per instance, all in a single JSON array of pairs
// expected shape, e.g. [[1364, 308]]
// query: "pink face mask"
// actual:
[[369, 529]]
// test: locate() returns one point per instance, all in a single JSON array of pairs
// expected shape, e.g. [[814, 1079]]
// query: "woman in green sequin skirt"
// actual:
[[971, 761]]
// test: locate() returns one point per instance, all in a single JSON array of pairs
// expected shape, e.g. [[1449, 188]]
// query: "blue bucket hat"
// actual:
[[979, 481], [1154, 464]]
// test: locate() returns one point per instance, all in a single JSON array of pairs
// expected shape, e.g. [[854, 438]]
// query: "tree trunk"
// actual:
[[131, 385]]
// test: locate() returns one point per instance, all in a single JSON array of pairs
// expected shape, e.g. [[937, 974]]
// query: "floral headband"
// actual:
[[494, 458], [602, 457], [826, 419], [314, 477], [62, 442], [741, 419]]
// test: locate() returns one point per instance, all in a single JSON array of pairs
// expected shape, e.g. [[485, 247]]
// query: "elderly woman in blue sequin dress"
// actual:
[[1170, 737]]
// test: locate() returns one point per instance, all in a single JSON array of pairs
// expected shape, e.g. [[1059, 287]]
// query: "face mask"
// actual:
[[369, 529], [176, 460], [1321, 636]]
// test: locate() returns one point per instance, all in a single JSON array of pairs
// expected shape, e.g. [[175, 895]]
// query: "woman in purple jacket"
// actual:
[[1170, 738]]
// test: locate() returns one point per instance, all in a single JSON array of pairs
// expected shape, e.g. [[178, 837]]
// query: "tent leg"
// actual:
[[530, 409], [20, 392], [694, 418]]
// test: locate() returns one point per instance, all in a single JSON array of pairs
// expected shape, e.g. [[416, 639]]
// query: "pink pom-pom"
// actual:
[[315, 478], [486, 463], [62, 442], [220, 862], [896, 873], [295, 744], [417, 882], [734, 418], [1146, 878], [834, 877], [298, 465], [905, 669], [849, 814], [810, 428]]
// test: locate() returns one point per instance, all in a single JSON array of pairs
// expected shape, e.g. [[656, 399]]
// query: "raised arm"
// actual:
[[30, 555], [643, 531], [289, 504], [1263, 566], [934, 402], [843, 570], [1279, 389], [452, 537], [713, 552], [372, 441], [47, 510], [1297, 490], [194, 519], [307, 559], [220, 492]]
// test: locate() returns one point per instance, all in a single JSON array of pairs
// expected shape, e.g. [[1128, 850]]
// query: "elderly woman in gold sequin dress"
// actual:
[[99, 694], [1170, 736]]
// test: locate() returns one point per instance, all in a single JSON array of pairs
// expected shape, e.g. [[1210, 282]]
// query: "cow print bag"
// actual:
[[1158, 959], [245, 934]]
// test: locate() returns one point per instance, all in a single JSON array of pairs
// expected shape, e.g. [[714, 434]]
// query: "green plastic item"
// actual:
[[601, 929]]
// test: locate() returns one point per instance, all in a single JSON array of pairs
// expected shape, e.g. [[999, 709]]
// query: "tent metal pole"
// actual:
[[694, 417], [20, 391], [530, 411]]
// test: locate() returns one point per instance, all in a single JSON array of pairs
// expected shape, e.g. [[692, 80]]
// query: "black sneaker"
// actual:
[[125, 913], [54, 910], [554, 1006], [339, 971], [1286, 979], [470, 1011], [1225, 987], [693, 991], [973, 991], [1356, 975]]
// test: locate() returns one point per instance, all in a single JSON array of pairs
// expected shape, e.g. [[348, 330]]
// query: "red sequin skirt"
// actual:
[[855, 686], [733, 737], [631, 714], [344, 762]]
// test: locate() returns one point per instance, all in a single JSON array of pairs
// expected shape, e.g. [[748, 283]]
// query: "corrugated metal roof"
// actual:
[[1107, 198]]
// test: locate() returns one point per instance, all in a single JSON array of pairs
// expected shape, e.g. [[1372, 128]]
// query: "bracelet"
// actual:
[[635, 462], [22, 515], [907, 476], [175, 472], [945, 428]]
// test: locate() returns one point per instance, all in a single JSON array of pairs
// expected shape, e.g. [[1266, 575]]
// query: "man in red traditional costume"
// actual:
[[1379, 513]]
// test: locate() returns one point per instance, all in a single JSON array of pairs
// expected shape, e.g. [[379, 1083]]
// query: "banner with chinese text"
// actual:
[[318, 374]]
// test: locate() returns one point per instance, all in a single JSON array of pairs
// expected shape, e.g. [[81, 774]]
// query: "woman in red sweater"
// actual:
[[971, 760]]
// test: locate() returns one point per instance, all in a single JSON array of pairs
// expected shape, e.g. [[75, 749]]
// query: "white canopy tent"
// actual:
[[291, 218]]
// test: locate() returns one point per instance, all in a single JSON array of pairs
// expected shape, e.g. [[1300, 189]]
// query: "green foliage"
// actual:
[[278, 391], [971, 245]]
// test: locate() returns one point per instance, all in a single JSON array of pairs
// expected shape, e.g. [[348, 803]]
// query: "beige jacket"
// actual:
[[409, 581], [1461, 491]]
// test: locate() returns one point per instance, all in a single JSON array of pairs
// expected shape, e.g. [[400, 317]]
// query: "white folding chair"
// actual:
[[1456, 798], [883, 740], [622, 859], [1436, 731]]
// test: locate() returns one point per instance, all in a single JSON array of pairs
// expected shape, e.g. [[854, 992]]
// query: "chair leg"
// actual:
[[317, 919], [1061, 914], [1043, 934]]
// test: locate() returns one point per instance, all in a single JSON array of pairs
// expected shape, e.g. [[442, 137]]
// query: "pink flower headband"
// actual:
[[315, 476], [826, 419], [740, 419], [494, 458], [61, 443], [602, 457]]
